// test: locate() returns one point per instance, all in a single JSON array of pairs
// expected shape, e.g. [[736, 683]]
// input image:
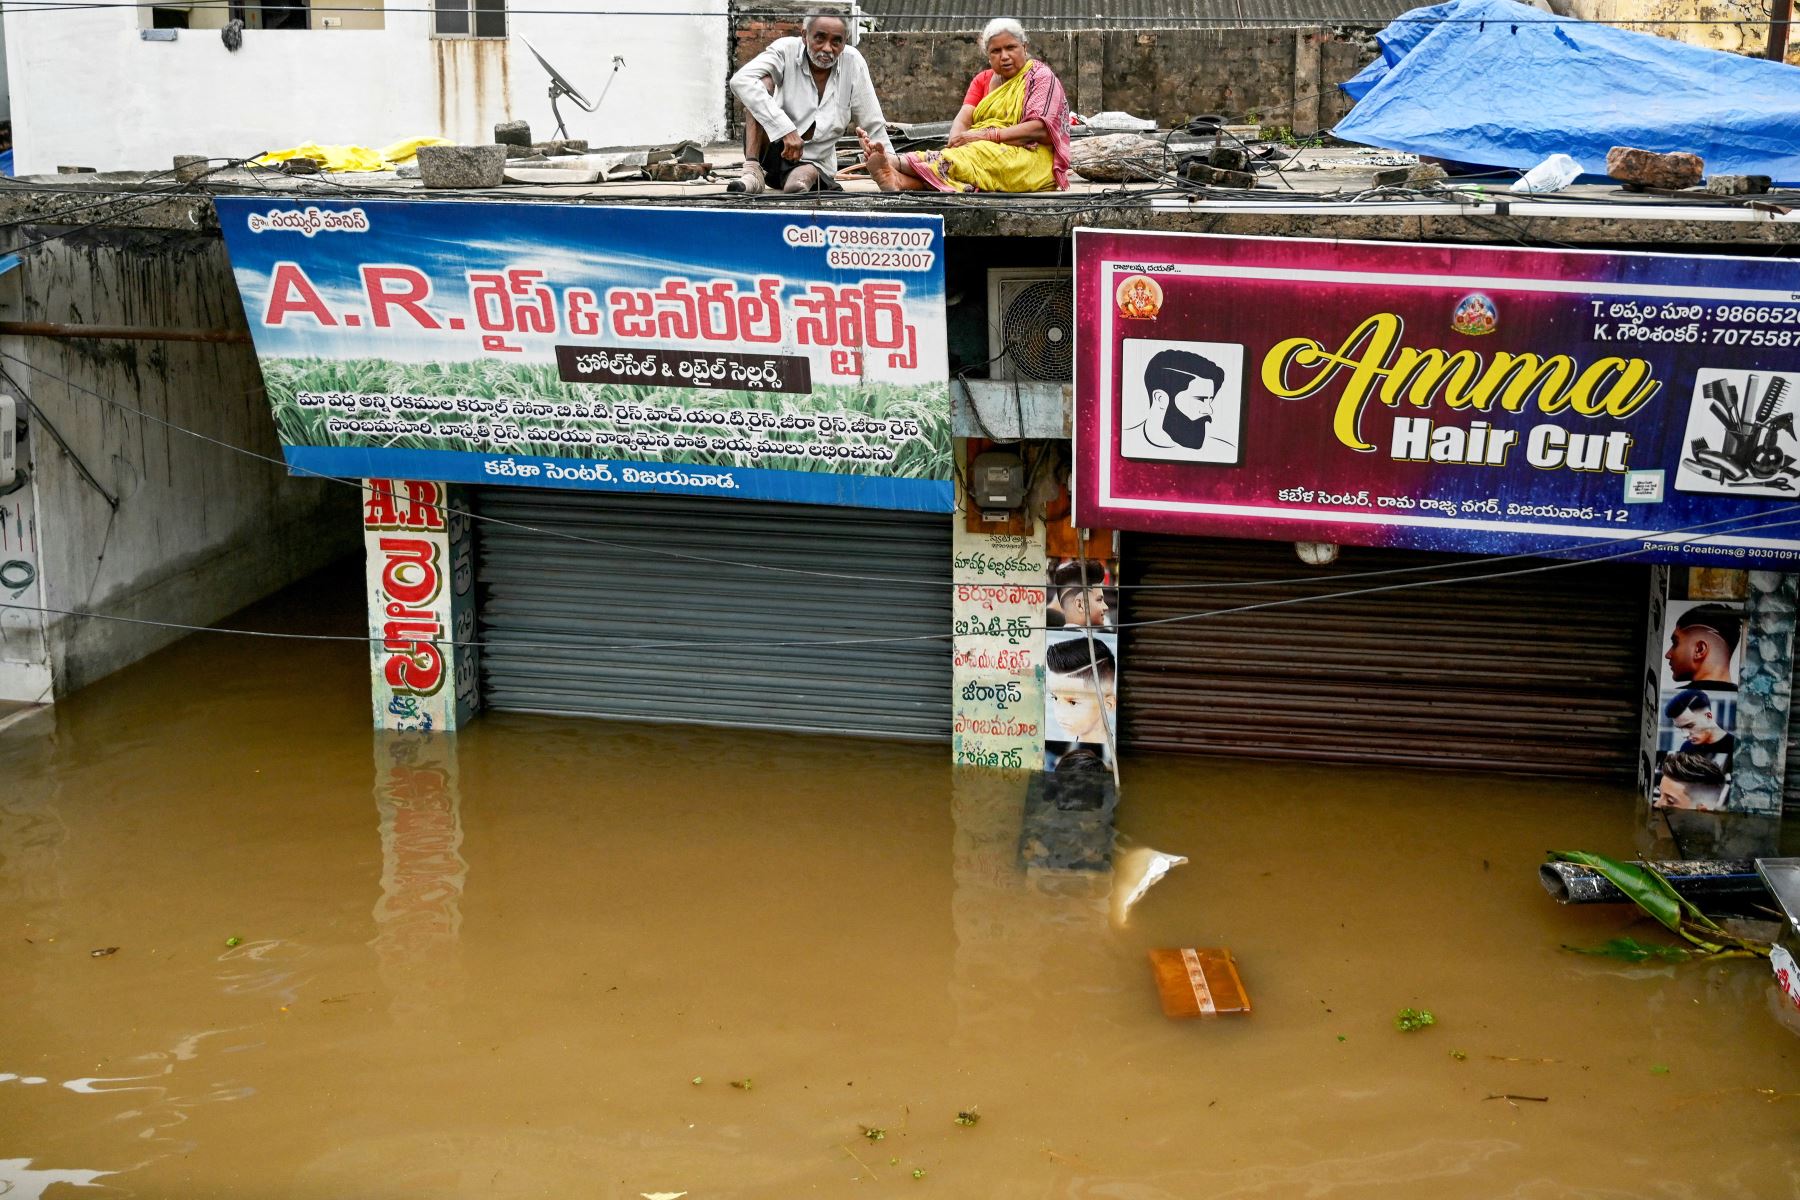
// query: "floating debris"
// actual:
[[1135, 872], [1411, 1020]]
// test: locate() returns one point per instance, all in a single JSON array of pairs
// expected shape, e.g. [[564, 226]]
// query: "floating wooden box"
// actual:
[[1198, 982]]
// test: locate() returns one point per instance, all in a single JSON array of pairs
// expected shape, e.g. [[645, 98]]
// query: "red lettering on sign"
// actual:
[[291, 292], [403, 288], [411, 580], [423, 509], [410, 572]]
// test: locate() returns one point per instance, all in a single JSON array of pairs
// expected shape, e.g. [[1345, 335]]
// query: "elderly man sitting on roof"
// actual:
[[1012, 134], [803, 94]]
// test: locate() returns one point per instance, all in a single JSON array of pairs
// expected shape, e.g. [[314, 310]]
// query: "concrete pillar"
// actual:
[[1090, 59], [421, 573], [1304, 113], [997, 671], [1759, 767]]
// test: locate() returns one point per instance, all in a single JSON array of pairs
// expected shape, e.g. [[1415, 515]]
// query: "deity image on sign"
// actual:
[[1475, 315], [1140, 298]]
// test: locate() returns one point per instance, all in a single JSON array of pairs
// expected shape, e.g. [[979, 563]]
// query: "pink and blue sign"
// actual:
[[1473, 399]]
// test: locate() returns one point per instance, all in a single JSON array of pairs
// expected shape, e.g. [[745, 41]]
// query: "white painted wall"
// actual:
[[87, 90]]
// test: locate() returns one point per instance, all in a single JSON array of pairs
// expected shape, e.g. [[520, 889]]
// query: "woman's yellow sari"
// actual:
[[1033, 94]]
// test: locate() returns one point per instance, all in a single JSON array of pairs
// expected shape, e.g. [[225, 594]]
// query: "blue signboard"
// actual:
[[770, 355]]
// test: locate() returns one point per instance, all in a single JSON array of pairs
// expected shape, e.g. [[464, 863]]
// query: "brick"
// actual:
[[1639, 169], [1417, 175], [1738, 185]]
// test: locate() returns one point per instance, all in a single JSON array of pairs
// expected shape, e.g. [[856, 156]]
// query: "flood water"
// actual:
[[533, 959]]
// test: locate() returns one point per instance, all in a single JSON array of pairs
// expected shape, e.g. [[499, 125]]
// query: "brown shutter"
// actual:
[[1535, 674]]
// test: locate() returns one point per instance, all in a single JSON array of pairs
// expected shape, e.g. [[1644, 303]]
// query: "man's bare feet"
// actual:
[[882, 169], [751, 181]]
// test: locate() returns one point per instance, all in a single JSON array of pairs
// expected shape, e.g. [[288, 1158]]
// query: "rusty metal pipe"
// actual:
[[124, 333]]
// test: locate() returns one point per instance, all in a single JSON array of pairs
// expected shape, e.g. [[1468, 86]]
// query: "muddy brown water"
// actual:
[[531, 961]]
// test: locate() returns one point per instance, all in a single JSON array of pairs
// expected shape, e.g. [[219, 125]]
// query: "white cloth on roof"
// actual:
[[847, 103]]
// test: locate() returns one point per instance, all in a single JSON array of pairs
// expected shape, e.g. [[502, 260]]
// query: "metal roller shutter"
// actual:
[[1537, 674], [629, 630]]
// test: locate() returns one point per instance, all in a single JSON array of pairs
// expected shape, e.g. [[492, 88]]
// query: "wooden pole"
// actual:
[[1781, 12]]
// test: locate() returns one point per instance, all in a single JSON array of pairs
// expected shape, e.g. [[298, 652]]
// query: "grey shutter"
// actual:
[[1533, 675], [586, 629]]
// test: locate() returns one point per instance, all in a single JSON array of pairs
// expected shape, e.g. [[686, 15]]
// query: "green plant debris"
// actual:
[[893, 1162], [697, 1080], [1411, 1020], [1342, 1038], [1650, 891], [1659, 1069], [743, 1085], [873, 1133], [234, 941], [1460, 1055], [968, 1118], [1631, 950], [918, 1172]]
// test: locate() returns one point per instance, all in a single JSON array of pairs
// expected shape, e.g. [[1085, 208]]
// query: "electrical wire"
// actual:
[[563, 535], [619, 644]]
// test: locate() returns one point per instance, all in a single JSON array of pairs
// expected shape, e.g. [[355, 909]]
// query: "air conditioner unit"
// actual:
[[1031, 324]]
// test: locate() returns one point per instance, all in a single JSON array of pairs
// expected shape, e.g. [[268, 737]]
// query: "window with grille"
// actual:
[[468, 18]]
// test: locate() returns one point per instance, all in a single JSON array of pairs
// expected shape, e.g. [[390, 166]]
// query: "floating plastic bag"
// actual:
[[1135, 872]]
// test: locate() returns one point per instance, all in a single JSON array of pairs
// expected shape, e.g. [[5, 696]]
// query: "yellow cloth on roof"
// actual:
[[354, 158]]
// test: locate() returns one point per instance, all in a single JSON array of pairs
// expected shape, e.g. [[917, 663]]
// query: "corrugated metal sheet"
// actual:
[[954, 16], [1537, 674], [627, 630]]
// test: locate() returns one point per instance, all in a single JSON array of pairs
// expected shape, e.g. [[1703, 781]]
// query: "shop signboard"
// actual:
[[769, 354], [1474, 399]]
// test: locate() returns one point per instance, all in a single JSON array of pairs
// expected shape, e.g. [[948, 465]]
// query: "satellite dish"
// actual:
[[560, 86]]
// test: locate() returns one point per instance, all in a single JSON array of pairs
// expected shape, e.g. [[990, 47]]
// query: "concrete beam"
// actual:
[[1006, 410]]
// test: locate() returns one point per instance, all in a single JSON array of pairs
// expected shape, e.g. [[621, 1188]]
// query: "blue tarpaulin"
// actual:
[[1500, 83]]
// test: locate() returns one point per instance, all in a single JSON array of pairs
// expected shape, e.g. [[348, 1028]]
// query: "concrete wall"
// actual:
[[87, 90], [1280, 77], [200, 531], [1736, 26]]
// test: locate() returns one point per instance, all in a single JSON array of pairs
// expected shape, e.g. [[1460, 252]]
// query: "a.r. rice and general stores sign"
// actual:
[[1479, 399], [765, 355]]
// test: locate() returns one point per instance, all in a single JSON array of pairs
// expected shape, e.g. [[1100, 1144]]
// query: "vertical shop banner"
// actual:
[[1081, 673], [1476, 399], [1696, 711], [997, 664], [420, 546], [770, 355]]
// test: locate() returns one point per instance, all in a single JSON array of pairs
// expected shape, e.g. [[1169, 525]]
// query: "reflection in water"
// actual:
[[419, 915], [21, 1182], [873, 937], [1025, 934]]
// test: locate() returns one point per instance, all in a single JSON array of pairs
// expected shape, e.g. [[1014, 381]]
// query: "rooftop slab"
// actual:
[[1326, 192]]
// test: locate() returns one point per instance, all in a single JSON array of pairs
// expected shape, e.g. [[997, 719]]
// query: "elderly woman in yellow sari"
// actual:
[[1012, 134]]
